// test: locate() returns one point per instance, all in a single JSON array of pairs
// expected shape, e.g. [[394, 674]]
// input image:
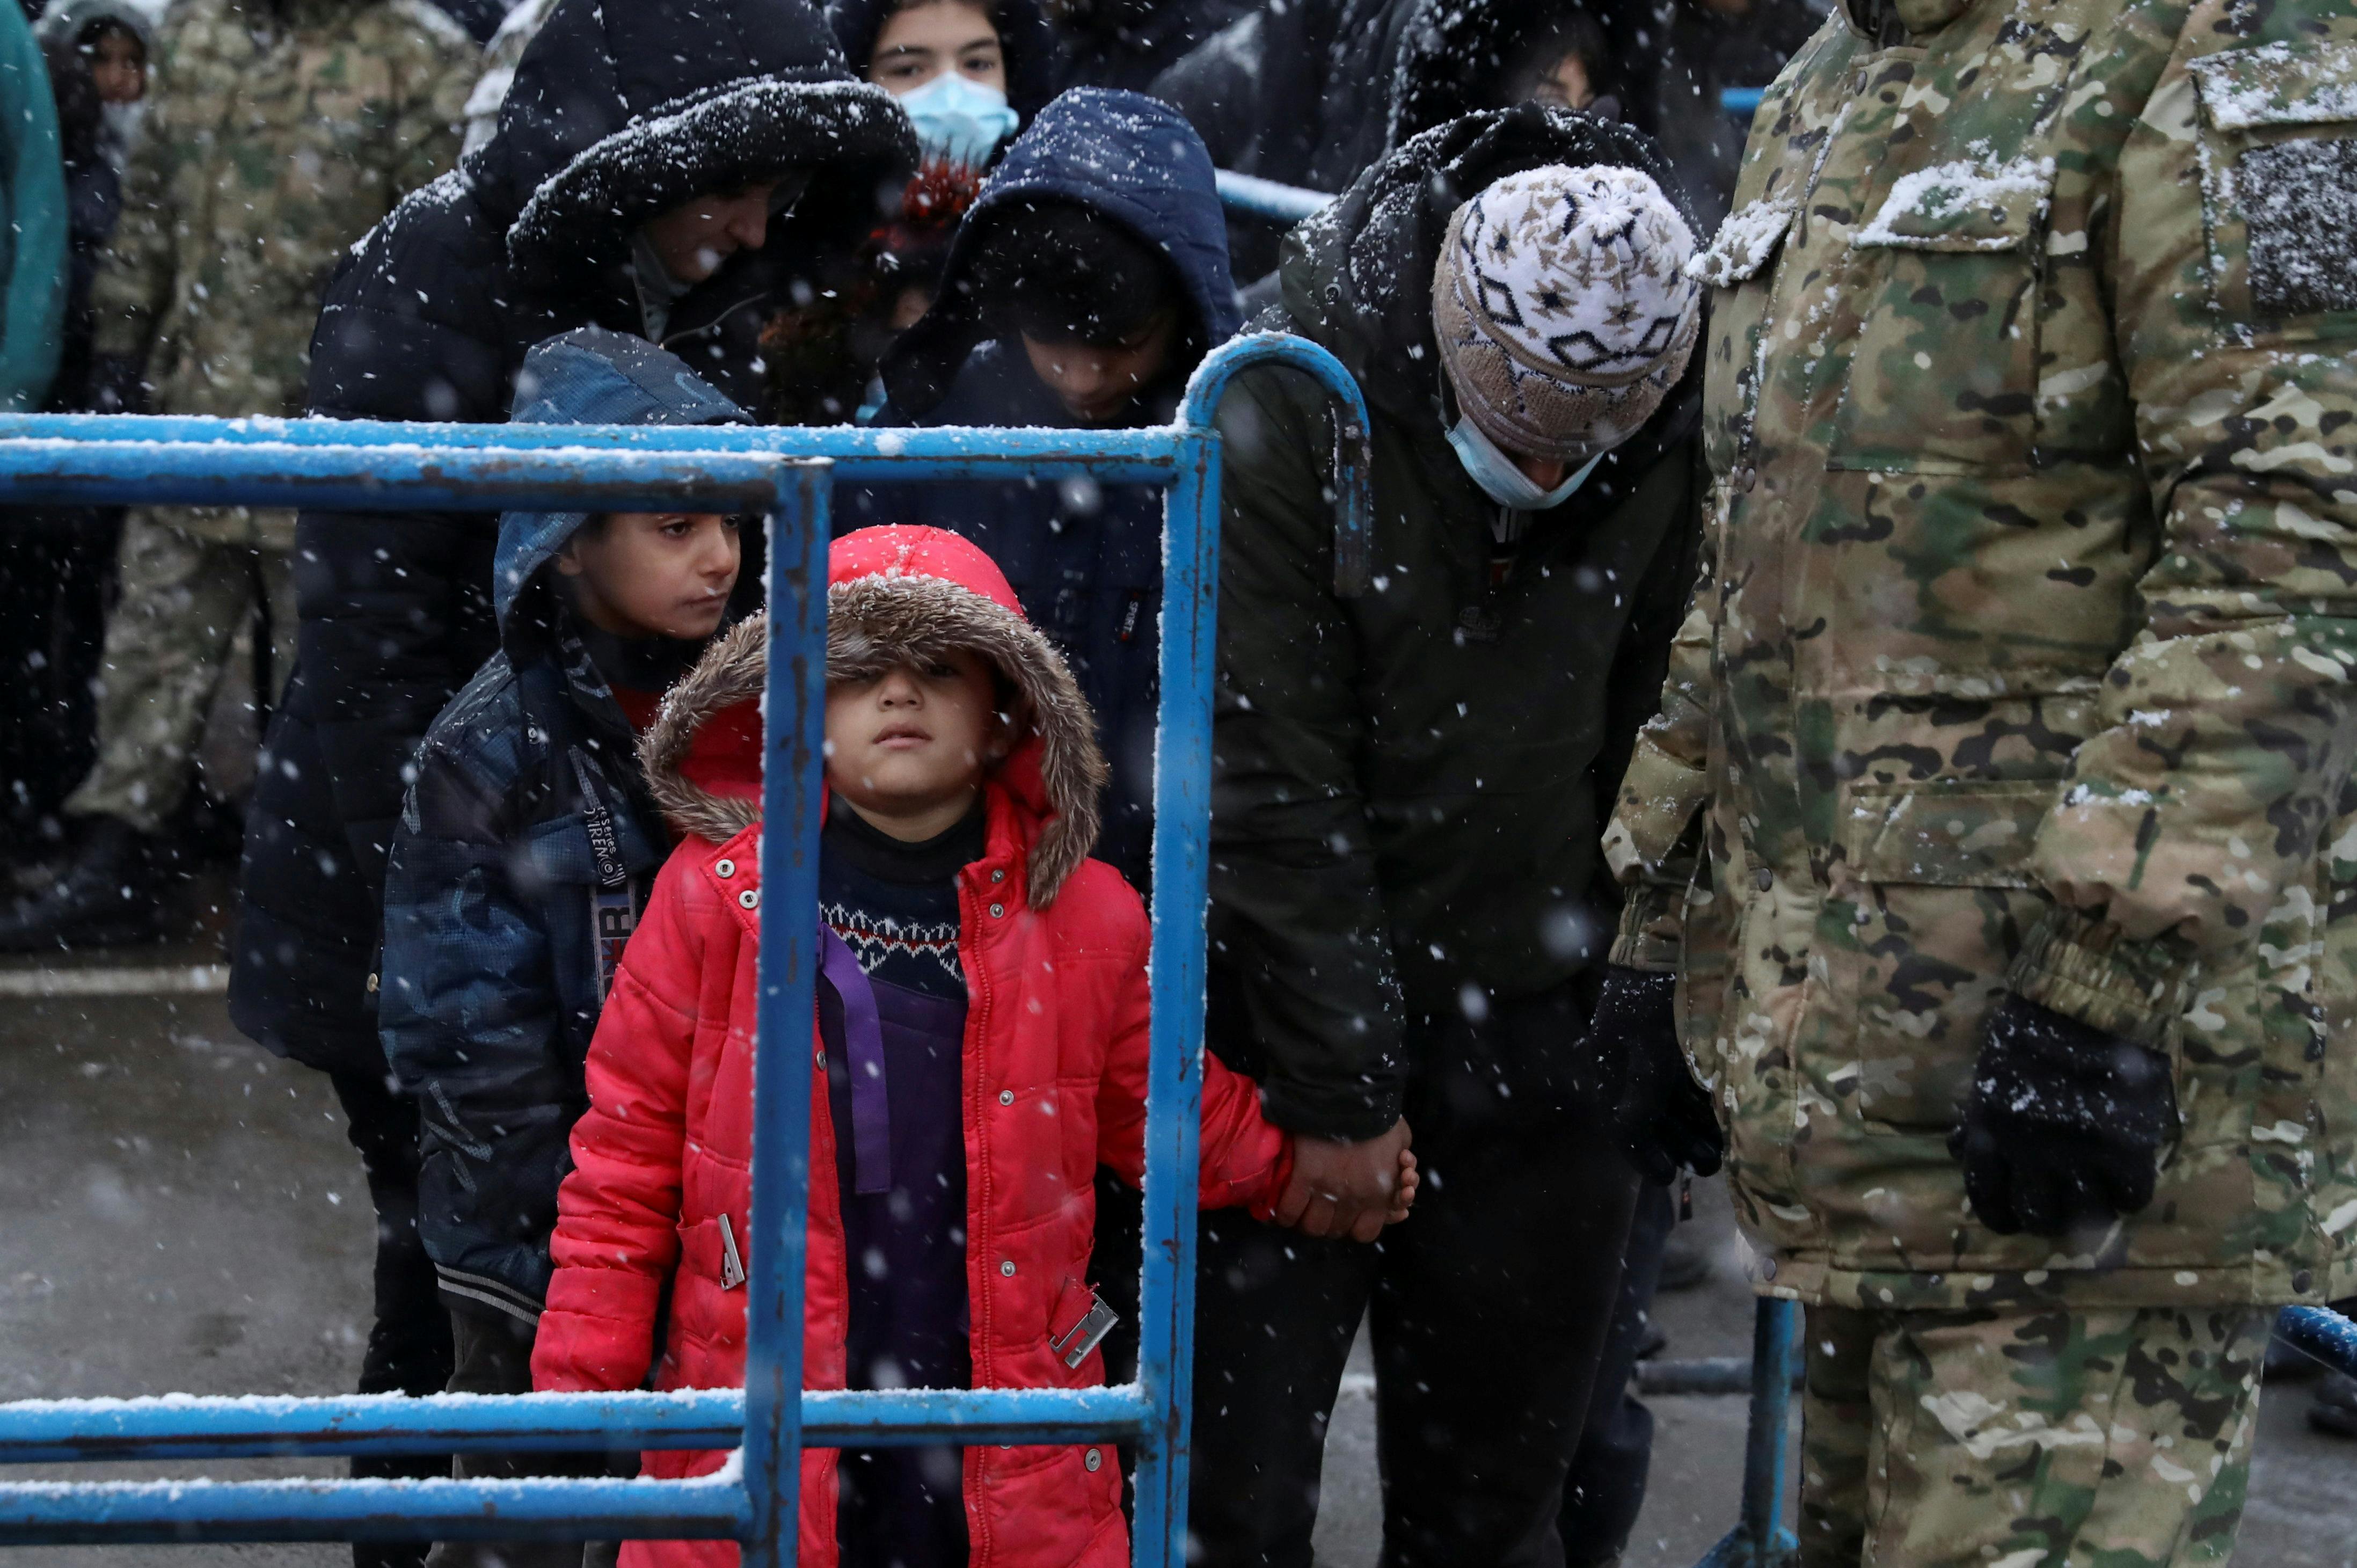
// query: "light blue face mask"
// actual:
[[1499, 477], [958, 118]]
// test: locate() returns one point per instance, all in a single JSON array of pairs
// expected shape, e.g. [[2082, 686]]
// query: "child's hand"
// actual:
[[1404, 1198]]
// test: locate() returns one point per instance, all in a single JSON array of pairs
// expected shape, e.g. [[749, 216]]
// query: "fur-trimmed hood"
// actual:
[[618, 111], [900, 596]]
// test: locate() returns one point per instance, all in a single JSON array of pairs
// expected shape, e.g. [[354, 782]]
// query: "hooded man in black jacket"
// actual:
[[1409, 912], [663, 167]]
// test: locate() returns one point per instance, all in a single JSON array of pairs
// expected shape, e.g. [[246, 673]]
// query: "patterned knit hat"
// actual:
[[1563, 309]]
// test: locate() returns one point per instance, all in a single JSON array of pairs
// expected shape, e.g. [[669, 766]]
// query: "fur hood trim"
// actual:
[[1056, 771]]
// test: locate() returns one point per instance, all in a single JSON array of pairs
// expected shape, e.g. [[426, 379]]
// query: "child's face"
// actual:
[[1094, 383], [654, 573], [912, 743], [118, 67]]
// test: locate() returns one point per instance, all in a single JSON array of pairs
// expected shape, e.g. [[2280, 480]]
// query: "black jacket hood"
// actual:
[[1453, 55], [1025, 39], [1357, 277], [618, 111]]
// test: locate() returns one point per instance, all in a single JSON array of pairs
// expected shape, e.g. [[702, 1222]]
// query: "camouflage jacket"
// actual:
[[279, 134], [2021, 654]]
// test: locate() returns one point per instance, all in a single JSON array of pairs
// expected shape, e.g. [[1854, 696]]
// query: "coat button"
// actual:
[[1745, 477], [724, 869], [1006, 1097], [750, 898], [1093, 1460], [822, 1058], [1763, 879], [999, 874], [2301, 1280], [1767, 1268], [996, 911], [1007, 1268]]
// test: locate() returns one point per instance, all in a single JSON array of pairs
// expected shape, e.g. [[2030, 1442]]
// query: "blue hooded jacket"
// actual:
[[1086, 560], [526, 845]]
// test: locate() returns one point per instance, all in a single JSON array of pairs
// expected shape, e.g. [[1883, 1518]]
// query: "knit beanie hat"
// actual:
[[1563, 309]]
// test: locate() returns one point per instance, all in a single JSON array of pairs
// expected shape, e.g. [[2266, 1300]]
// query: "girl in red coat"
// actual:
[[980, 1048]]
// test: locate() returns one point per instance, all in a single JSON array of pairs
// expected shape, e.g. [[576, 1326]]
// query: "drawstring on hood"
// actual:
[[904, 595]]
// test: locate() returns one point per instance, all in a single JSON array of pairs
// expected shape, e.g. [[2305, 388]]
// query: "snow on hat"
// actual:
[[1563, 308]]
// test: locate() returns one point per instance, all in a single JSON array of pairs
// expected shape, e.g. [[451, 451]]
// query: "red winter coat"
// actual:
[[1054, 949]]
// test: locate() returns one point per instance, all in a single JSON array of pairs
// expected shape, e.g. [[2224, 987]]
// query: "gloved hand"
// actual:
[[1663, 1119], [2063, 1122]]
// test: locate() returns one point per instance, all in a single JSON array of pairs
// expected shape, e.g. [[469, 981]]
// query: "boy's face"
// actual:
[[654, 573], [695, 237], [1096, 383], [909, 746]]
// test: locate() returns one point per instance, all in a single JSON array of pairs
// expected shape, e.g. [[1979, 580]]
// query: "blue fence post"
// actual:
[[794, 708], [1182, 785]]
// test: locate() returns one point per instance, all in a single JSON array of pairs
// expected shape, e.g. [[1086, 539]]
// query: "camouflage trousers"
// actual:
[[185, 598], [2038, 1439]]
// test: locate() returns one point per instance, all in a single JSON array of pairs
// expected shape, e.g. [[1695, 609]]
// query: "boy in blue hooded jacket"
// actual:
[[528, 841]]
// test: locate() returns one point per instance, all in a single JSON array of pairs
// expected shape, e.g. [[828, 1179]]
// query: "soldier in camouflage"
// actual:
[[1993, 860], [281, 131]]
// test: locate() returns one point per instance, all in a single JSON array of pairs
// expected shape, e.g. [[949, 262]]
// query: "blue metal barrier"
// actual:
[[787, 474]]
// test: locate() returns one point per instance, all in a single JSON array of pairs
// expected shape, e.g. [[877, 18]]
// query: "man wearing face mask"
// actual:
[[1409, 912]]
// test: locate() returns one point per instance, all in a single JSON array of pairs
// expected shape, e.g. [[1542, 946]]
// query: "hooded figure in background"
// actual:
[[1408, 908], [1086, 560], [645, 157], [528, 841], [969, 73]]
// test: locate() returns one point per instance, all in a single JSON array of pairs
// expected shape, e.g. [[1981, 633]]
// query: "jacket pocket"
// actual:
[[1946, 279], [1932, 900], [1739, 268], [2279, 188]]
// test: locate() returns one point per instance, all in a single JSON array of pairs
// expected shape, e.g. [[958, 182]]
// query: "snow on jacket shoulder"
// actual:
[[1054, 948]]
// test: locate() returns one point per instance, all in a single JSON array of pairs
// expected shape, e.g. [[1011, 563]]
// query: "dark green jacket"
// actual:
[[1409, 785]]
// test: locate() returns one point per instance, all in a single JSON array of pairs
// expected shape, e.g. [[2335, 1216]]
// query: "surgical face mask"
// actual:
[[958, 118], [1501, 479]]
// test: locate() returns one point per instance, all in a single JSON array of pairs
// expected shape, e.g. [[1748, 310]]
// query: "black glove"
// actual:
[[2063, 1122], [1663, 1119]]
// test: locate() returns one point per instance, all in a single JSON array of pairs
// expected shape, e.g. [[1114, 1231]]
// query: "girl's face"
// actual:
[[932, 38], [118, 67], [911, 744]]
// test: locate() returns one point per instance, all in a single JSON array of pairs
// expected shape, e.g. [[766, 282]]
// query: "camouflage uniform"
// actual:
[[279, 134], [2021, 659]]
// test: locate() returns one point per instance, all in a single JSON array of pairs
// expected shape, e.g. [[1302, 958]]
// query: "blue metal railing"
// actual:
[[788, 475], [1282, 203]]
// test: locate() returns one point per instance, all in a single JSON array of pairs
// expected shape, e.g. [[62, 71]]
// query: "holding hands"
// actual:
[[1354, 1190]]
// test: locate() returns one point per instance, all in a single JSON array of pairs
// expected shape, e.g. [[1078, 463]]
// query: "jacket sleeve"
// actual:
[[35, 322], [395, 606], [2192, 816], [1298, 917], [1242, 1160], [616, 1238], [470, 1016], [1655, 830]]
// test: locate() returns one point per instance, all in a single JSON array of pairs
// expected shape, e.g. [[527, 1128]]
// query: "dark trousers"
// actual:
[[1606, 1488], [56, 568], [1488, 1310], [409, 1344], [492, 1355]]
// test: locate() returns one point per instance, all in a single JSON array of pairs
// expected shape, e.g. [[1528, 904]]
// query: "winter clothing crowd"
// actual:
[[1853, 689]]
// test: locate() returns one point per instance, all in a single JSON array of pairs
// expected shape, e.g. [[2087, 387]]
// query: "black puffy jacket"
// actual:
[[617, 113]]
